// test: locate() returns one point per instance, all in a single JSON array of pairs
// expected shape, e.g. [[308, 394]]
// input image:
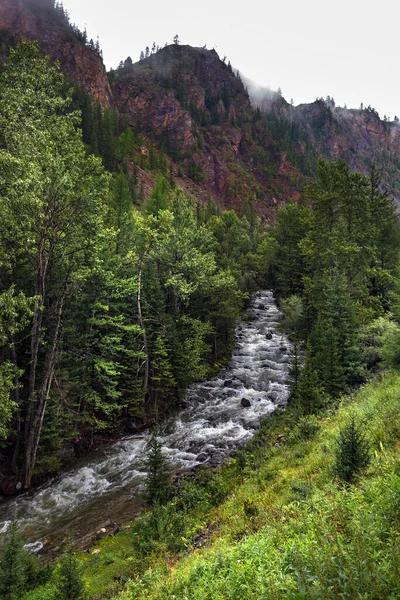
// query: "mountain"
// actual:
[[357, 136], [193, 106], [48, 23], [221, 142]]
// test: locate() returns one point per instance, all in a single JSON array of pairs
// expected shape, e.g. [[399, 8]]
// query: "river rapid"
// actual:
[[217, 417]]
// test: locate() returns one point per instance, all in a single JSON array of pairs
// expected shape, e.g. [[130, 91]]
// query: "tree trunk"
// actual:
[[43, 396], [14, 460], [142, 325]]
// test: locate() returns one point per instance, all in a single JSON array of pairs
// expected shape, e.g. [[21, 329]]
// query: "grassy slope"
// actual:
[[273, 523], [289, 530]]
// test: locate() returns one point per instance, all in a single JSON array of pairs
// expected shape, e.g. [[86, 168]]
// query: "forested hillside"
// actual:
[[139, 214], [108, 312]]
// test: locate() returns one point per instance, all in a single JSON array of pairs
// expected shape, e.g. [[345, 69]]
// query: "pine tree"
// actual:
[[162, 379], [70, 583], [158, 478], [308, 395], [13, 567], [352, 452]]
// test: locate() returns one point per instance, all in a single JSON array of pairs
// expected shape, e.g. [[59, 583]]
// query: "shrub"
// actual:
[[306, 428], [70, 584]]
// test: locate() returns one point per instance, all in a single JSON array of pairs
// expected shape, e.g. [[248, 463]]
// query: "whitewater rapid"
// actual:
[[217, 417]]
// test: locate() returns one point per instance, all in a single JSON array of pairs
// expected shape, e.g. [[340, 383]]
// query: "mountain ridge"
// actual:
[[221, 144]]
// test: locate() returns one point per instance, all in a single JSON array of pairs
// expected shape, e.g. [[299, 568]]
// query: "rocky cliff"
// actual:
[[40, 20], [320, 128], [359, 137], [197, 109]]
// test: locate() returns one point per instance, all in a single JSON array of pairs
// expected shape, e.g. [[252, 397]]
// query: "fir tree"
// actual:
[[13, 573]]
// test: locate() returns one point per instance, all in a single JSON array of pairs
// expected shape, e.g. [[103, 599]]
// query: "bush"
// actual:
[[391, 348], [306, 428], [161, 526], [352, 452]]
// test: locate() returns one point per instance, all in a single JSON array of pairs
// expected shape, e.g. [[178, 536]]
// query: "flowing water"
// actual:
[[217, 417]]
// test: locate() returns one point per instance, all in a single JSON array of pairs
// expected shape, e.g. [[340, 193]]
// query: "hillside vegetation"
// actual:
[[289, 528]]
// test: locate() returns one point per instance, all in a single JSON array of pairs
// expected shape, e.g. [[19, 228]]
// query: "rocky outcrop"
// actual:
[[154, 108], [199, 111], [39, 20], [359, 137]]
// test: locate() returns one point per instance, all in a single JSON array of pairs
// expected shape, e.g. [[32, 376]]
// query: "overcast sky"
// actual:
[[308, 48]]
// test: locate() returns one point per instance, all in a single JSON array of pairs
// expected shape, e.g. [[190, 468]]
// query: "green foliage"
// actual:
[[390, 349], [158, 479], [352, 452], [306, 428], [308, 395], [299, 536], [13, 577], [292, 223], [19, 570], [53, 230], [163, 528], [125, 309], [334, 269], [7, 405], [291, 322], [70, 585]]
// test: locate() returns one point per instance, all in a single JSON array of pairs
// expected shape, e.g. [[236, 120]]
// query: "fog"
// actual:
[[308, 49]]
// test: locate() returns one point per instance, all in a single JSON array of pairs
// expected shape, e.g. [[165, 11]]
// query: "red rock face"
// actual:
[[359, 137], [36, 20], [193, 102], [155, 108]]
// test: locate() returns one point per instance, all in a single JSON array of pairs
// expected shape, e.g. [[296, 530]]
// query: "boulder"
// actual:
[[268, 335], [245, 402], [202, 457]]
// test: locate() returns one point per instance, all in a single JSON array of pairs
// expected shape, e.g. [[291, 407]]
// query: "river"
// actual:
[[217, 417]]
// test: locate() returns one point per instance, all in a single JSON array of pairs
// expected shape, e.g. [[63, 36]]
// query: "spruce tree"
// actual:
[[352, 452], [309, 395], [158, 478], [13, 573], [70, 583]]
